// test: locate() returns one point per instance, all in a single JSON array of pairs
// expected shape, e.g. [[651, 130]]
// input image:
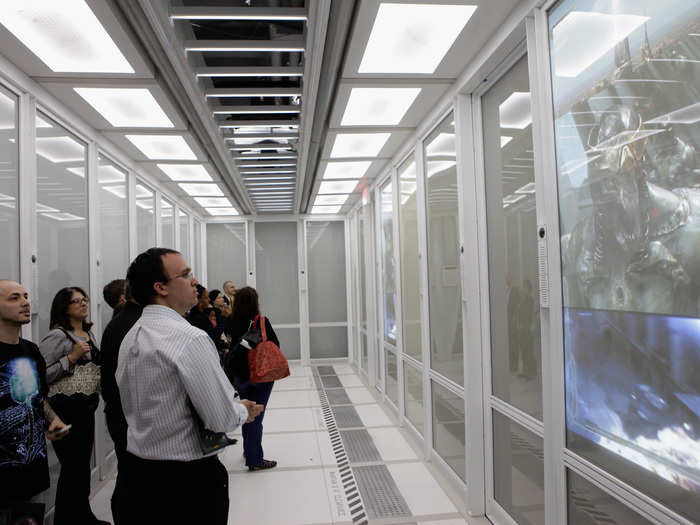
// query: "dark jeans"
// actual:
[[74, 453], [252, 432], [187, 492], [116, 425]]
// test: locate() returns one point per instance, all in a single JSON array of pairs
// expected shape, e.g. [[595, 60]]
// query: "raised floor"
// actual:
[[342, 459]]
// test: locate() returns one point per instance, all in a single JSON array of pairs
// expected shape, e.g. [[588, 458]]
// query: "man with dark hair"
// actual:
[[112, 337], [169, 377], [25, 413], [114, 294], [229, 293]]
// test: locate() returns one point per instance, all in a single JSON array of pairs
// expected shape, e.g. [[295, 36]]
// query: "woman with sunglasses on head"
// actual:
[[73, 375]]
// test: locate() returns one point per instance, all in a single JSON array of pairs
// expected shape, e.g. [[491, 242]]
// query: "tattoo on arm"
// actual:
[[49, 414]]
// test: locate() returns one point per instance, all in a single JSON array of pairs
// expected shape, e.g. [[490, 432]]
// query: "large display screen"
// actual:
[[626, 89]]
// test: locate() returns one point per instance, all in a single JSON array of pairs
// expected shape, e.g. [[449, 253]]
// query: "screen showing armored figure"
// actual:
[[626, 88]]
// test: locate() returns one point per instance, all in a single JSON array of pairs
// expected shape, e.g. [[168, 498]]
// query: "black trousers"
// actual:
[[116, 426], [74, 453], [174, 492]]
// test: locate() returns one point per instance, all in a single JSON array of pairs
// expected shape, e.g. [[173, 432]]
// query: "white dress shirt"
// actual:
[[164, 362]]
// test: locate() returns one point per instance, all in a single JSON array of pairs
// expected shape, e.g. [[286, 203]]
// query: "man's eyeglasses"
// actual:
[[187, 275], [80, 300]]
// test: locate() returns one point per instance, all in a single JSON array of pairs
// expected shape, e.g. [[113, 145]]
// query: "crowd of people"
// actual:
[[159, 369]]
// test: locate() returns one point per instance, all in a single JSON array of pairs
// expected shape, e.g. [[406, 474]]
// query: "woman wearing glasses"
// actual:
[[73, 375]]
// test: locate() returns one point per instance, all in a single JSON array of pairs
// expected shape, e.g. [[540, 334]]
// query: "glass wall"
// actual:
[[408, 231], [167, 224], [448, 428], [444, 287], [114, 225], [145, 218], [325, 252], [388, 266], [197, 248], [413, 395], [626, 127], [9, 184], [183, 230], [362, 274], [226, 255], [277, 281]]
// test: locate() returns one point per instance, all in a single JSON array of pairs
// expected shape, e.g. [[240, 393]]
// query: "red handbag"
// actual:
[[266, 362]]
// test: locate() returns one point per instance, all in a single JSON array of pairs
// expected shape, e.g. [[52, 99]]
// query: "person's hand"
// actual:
[[79, 350], [55, 426], [254, 410]]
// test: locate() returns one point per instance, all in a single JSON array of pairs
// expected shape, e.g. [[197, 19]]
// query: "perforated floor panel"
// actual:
[[346, 417], [380, 495], [326, 370], [331, 382], [338, 397], [359, 446]]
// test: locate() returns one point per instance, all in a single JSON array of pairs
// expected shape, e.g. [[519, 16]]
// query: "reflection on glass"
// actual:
[[413, 396], [364, 357], [167, 222], [392, 377], [588, 505], [184, 233], [388, 267], [363, 272], [145, 218], [626, 127], [61, 214], [328, 341], [448, 428], [197, 248], [325, 244], [114, 225], [512, 242], [226, 255], [408, 223], [518, 471], [9, 185], [444, 288]]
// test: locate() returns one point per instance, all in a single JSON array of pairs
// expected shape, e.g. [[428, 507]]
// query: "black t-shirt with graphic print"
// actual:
[[24, 469]]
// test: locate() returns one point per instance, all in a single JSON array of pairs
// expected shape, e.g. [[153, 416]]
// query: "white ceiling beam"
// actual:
[[255, 110], [249, 123], [261, 71], [252, 92], [238, 13], [245, 172], [244, 45]]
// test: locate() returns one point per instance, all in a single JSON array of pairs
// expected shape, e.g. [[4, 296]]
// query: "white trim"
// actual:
[[328, 325], [303, 292], [517, 416]]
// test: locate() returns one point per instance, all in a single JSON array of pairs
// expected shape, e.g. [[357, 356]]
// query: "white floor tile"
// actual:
[[420, 490], [336, 497], [373, 416], [292, 420], [298, 370], [326, 450], [457, 521], [360, 395], [272, 498], [391, 445], [289, 450], [342, 369], [294, 399], [350, 380], [295, 383]]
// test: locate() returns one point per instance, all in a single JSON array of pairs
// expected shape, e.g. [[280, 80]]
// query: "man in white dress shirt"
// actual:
[[167, 368]]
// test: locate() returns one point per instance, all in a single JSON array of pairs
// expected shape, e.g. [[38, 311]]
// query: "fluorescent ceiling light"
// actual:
[[62, 216], [330, 199], [222, 211], [145, 204], [527, 189], [505, 140], [201, 190], [214, 202], [65, 35], [600, 32], [337, 186], [358, 144], [346, 170], [413, 38], [185, 172], [255, 128], [108, 174], [514, 112], [126, 107], [79, 171], [325, 209], [251, 179], [442, 145], [264, 165], [253, 182], [437, 166], [165, 204], [60, 149], [165, 147], [143, 193], [687, 115], [269, 172], [119, 190], [378, 106]]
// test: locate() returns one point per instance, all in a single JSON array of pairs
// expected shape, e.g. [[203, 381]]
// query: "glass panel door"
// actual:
[[277, 281], [183, 230], [9, 185], [167, 224], [226, 255], [362, 289], [145, 218]]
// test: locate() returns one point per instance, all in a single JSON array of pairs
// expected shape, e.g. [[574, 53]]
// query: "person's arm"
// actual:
[[271, 335], [208, 387], [53, 423], [55, 348]]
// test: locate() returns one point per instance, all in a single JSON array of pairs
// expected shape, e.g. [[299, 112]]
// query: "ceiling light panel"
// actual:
[[325, 209], [378, 106], [213, 202], [126, 107], [222, 211], [185, 172], [65, 35], [330, 199], [514, 112], [413, 38], [60, 149], [337, 186], [358, 144], [201, 190], [163, 147], [346, 170]]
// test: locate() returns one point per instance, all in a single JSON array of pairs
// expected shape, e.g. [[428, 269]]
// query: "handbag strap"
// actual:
[[262, 328]]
